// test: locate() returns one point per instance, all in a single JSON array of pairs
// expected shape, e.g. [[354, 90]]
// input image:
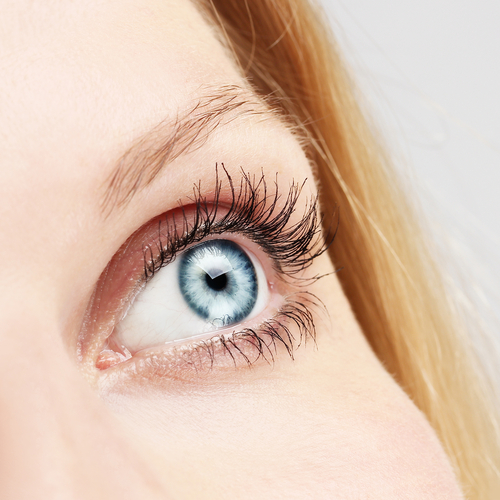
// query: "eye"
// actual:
[[210, 286], [219, 282]]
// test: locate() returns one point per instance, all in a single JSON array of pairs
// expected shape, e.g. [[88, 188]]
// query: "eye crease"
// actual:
[[204, 290]]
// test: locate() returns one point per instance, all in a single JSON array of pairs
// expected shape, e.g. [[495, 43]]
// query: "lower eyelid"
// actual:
[[114, 352], [291, 327]]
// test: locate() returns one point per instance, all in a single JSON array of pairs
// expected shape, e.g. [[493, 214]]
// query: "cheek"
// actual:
[[242, 442], [382, 455]]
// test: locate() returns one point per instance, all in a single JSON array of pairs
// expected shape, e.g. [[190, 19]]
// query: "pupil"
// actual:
[[218, 283]]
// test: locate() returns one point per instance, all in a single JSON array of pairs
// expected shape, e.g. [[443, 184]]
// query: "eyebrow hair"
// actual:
[[141, 163]]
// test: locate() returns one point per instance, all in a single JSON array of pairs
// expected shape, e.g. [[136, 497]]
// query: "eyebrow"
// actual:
[[148, 156]]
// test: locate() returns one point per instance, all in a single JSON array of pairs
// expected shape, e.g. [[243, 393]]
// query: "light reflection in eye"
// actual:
[[212, 285]]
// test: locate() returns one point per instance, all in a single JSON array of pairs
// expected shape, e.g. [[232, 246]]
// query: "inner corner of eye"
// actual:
[[210, 287]]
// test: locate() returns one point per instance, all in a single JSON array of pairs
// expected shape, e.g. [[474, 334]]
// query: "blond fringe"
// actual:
[[395, 289]]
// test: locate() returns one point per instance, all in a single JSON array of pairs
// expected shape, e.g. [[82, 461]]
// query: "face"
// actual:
[[164, 332]]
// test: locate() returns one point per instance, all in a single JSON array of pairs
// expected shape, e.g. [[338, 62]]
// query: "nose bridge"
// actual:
[[58, 441]]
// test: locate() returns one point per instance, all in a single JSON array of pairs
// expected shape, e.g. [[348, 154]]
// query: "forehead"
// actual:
[[86, 68]]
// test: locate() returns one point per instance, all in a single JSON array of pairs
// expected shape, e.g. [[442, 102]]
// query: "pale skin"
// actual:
[[80, 83]]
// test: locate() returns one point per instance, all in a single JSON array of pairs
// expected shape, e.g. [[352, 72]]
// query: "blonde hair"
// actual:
[[397, 294]]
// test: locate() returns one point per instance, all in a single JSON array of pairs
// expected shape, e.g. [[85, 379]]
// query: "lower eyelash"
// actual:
[[265, 341], [292, 326]]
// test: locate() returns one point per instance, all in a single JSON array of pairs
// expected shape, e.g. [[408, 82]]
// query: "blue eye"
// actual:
[[218, 281], [210, 286]]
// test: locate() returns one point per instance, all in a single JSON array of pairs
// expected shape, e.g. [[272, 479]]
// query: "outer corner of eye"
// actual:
[[209, 288]]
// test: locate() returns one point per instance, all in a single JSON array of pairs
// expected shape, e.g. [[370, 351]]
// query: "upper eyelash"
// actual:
[[254, 213]]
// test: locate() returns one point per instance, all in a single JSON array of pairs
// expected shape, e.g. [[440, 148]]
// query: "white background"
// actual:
[[431, 72]]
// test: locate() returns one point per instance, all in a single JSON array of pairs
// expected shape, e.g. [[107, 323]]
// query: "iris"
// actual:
[[218, 281]]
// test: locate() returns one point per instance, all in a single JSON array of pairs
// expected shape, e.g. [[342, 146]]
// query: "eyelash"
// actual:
[[254, 213]]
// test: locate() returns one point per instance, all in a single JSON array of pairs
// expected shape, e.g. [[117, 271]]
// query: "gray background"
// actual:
[[430, 72]]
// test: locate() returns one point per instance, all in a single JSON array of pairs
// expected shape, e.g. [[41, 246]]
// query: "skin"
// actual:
[[80, 82]]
